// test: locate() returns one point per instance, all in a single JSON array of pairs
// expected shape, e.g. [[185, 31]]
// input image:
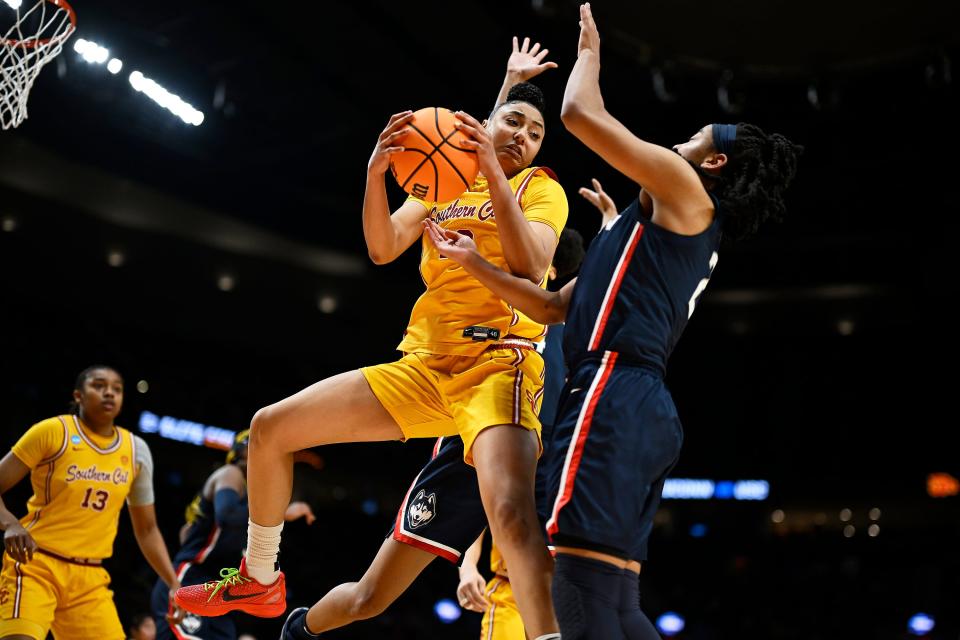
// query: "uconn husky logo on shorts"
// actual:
[[422, 509]]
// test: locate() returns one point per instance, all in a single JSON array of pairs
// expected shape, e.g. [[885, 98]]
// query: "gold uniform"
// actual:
[[448, 383], [501, 620], [80, 482]]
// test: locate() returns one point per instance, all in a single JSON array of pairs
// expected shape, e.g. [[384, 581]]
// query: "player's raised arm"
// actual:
[[525, 62], [388, 235], [667, 177], [546, 307]]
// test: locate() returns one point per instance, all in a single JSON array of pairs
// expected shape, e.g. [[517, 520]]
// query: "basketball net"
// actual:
[[36, 38]]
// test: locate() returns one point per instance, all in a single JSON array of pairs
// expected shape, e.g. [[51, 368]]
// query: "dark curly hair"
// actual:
[[753, 182], [525, 92]]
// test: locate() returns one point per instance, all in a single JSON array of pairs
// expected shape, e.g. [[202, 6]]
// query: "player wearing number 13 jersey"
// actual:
[[83, 469]]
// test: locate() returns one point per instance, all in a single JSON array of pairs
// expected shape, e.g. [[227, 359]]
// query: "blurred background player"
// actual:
[[640, 282], [516, 122], [214, 534], [82, 468], [142, 627]]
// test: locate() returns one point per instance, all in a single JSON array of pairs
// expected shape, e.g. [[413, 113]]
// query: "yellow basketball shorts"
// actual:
[[47, 593], [501, 620], [437, 395]]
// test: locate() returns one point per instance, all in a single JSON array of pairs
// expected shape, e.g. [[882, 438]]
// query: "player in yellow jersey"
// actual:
[[82, 468], [469, 366], [494, 597]]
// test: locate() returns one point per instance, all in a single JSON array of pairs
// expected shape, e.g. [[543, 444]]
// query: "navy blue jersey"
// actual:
[[556, 375], [209, 540], [637, 288]]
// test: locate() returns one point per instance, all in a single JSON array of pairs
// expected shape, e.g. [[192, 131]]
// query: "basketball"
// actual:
[[433, 165]]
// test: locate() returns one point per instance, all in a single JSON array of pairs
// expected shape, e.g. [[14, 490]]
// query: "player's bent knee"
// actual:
[[365, 604], [511, 521]]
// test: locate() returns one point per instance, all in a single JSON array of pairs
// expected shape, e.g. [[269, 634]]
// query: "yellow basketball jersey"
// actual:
[[80, 481], [455, 300]]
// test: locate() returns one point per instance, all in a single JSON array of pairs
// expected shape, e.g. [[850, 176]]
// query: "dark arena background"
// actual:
[[220, 267]]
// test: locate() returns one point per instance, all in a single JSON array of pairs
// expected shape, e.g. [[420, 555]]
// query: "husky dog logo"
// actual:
[[422, 509], [191, 623]]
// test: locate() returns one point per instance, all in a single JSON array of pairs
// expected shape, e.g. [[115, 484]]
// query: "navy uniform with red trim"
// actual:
[[215, 534], [617, 425]]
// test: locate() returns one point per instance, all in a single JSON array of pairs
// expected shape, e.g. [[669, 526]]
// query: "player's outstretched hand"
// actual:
[[470, 590], [451, 244], [297, 510], [18, 543], [589, 35], [526, 62], [599, 198], [389, 142]]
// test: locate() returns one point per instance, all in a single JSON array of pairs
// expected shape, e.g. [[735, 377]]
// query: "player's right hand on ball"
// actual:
[[470, 591], [18, 543], [389, 142]]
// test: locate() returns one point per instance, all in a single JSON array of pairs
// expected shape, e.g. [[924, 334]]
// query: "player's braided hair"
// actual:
[[754, 180], [526, 92], [82, 380]]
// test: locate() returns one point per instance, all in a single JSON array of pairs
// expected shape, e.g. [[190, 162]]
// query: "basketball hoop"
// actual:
[[36, 38]]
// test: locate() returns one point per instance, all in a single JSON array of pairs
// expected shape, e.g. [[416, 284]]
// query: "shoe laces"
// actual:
[[228, 577]]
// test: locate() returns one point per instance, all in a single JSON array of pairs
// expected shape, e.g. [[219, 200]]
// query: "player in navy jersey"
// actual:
[[215, 531], [617, 426]]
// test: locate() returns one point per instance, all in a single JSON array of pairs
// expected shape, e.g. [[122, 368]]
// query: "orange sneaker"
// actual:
[[236, 591]]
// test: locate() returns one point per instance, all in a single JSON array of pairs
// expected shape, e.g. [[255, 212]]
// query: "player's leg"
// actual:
[[28, 598], [392, 571], [505, 458], [90, 613], [633, 621], [342, 408], [586, 593]]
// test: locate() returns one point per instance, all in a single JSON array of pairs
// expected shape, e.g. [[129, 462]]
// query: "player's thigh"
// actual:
[[28, 598], [392, 571], [90, 613], [341, 408]]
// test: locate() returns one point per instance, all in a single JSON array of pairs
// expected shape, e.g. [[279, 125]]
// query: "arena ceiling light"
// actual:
[[169, 101], [91, 51]]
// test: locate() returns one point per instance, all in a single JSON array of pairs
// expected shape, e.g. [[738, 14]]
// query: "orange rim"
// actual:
[[39, 42]]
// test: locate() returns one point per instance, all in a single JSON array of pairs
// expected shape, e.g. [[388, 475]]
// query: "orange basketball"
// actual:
[[433, 165]]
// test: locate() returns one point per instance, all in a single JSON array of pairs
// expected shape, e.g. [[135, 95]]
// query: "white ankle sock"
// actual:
[[263, 547], [549, 636]]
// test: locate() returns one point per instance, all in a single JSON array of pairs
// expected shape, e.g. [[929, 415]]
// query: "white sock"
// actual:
[[549, 636], [263, 547]]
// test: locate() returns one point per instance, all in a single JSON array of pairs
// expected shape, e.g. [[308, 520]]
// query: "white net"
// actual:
[[36, 38]]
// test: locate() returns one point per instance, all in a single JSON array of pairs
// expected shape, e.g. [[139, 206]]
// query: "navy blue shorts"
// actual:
[[192, 626], [616, 437], [442, 512]]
